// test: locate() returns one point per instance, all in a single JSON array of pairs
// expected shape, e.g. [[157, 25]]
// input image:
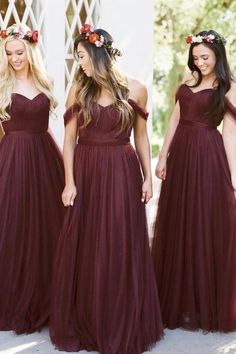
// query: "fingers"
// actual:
[[72, 199], [164, 174], [143, 197], [146, 196], [68, 200], [161, 174], [65, 201]]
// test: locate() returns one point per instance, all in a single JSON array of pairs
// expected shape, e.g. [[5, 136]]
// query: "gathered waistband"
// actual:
[[24, 132], [94, 142], [195, 124]]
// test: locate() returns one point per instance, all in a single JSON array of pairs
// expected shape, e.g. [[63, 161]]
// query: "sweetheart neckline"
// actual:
[[29, 99]]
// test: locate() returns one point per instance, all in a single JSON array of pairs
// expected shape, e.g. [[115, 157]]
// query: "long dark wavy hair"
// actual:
[[223, 74], [104, 75]]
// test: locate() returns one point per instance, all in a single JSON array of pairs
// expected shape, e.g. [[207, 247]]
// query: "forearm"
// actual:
[[230, 149], [1, 132], [229, 139], [169, 137], [143, 151], [68, 157]]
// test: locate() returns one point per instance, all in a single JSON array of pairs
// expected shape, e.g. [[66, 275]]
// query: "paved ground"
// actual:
[[175, 342]]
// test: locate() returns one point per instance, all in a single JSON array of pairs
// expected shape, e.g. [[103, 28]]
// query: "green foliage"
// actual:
[[174, 20]]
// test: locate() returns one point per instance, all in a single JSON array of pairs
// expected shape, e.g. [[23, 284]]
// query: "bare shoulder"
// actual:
[[138, 91], [231, 94], [190, 78], [71, 96]]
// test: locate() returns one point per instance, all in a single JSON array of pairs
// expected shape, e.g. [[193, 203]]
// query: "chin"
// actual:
[[207, 72], [17, 69]]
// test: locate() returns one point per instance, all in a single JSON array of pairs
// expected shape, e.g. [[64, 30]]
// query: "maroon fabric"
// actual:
[[138, 109], [194, 247], [31, 182], [70, 112], [104, 291], [75, 110]]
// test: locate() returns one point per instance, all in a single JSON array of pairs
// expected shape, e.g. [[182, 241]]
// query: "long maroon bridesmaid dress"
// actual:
[[31, 212], [104, 291], [194, 247]]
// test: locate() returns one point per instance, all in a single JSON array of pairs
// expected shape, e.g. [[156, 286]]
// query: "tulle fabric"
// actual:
[[31, 213], [194, 247], [104, 291]]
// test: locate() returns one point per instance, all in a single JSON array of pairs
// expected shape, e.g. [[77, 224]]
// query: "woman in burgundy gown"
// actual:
[[104, 291], [194, 247], [31, 182]]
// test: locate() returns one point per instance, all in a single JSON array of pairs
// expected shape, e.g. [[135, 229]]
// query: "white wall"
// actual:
[[54, 34]]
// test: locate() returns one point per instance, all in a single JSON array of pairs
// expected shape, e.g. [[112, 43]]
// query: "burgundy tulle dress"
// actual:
[[194, 247], [31, 214], [104, 291]]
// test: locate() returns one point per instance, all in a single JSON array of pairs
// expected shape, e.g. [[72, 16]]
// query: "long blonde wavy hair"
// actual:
[[7, 74], [105, 75]]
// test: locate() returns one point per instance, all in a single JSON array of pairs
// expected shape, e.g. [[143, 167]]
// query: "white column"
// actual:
[[131, 24], [54, 39]]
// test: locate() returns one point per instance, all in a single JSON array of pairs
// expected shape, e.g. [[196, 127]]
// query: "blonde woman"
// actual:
[[104, 292], [31, 177]]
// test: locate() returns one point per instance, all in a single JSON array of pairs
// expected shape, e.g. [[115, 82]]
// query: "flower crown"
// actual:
[[20, 32], [98, 39], [206, 38]]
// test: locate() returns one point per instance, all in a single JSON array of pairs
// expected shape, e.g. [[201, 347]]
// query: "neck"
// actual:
[[209, 78], [22, 75], [105, 92]]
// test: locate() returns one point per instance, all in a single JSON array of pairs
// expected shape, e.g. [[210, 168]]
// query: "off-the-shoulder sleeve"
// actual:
[[142, 112], [178, 92], [70, 112], [231, 109]]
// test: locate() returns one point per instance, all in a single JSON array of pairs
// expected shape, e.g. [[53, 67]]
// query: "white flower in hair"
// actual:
[[211, 36], [198, 39]]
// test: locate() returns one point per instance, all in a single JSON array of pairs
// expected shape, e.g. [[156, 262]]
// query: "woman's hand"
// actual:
[[68, 195], [160, 171], [233, 179], [146, 191]]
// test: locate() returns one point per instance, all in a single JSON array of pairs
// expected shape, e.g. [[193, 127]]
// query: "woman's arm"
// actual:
[[229, 139], [174, 121], [70, 138], [229, 134], [1, 131], [189, 78], [142, 143]]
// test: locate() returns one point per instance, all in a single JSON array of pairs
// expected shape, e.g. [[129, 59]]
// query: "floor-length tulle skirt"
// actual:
[[31, 212], [194, 247], [104, 291]]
